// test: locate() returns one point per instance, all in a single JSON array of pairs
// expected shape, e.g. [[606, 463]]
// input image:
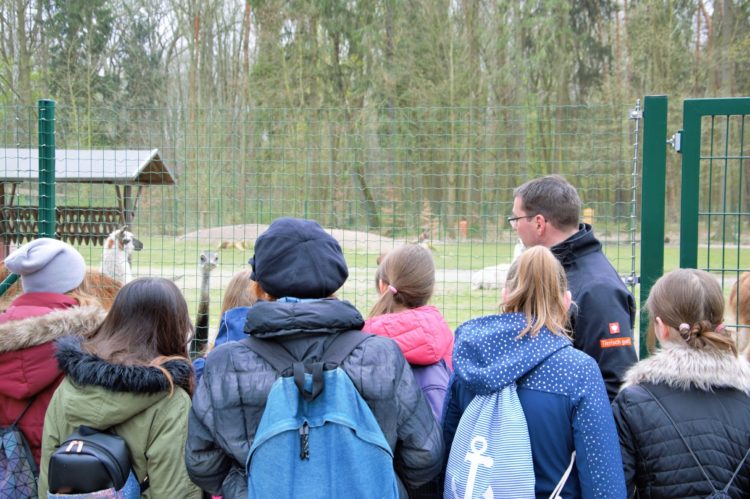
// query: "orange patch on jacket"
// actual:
[[616, 342]]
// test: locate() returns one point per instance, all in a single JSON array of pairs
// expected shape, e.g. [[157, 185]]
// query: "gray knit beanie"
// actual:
[[47, 265]]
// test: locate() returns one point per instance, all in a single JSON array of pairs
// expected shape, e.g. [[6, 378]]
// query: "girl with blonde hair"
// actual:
[[573, 442], [683, 414]]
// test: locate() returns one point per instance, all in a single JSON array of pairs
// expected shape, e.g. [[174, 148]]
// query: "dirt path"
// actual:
[[248, 233]]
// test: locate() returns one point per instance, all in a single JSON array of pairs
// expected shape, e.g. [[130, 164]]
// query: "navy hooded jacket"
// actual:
[[603, 318], [562, 395]]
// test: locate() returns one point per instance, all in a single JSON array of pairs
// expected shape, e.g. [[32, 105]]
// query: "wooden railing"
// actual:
[[75, 224]]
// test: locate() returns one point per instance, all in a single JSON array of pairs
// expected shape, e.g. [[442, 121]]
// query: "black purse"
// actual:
[[90, 460]]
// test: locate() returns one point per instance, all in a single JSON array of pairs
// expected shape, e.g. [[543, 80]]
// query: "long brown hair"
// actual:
[[690, 302], [239, 292], [148, 324], [536, 285], [409, 273]]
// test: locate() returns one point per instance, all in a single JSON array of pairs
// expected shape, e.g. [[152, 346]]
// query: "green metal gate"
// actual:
[[714, 202]]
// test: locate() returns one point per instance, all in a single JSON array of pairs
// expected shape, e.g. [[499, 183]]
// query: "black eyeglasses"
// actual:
[[513, 221]]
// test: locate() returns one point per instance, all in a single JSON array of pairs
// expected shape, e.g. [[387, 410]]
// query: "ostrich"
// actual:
[[116, 257], [208, 262]]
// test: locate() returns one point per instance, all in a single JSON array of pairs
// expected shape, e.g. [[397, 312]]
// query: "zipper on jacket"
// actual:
[[304, 441]]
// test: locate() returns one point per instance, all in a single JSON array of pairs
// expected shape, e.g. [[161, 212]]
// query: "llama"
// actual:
[[208, 261], [118, 247]]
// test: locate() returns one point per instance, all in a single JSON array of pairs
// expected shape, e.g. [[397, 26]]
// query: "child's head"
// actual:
[[405, 278], [297, 258], [536, 285], [690, 304], [739, 309], [239, 292], [739, 299], [148, 320], [47, 265]]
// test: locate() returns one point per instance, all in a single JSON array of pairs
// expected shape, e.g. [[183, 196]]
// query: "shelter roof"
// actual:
[[90, 166]]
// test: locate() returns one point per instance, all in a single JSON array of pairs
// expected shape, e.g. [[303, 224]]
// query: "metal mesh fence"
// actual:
[[442, 177], [724, 211]]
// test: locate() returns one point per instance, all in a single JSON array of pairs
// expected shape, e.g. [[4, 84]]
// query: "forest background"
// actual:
[[361, 113], [169, 61]]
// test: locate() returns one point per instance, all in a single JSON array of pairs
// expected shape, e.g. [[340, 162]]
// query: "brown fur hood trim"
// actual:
[[683, 367], [33, 331]]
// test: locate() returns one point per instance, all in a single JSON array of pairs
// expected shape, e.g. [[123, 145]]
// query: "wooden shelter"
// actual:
[[125, 169]]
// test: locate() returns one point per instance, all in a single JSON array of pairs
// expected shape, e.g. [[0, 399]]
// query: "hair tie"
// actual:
[[392, 289], [684, 327], [720, 328]]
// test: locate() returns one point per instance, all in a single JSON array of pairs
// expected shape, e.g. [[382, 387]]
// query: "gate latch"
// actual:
[[676, 141]]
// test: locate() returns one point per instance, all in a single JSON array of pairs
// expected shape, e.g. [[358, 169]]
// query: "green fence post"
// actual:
[[47, 216], [691, 148], [652, 203]]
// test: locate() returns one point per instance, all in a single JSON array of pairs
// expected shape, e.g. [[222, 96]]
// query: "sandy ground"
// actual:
[[348, 239]]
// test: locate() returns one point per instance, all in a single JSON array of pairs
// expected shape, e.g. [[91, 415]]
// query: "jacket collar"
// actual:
[[580, 243], [275, 319], [682, 367], [83, 368], [43, 299], [33, 331]]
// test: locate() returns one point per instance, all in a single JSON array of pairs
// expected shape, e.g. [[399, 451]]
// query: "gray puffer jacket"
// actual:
[[231, 396]]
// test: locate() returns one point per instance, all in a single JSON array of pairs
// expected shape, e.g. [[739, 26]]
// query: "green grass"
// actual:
[[178, 259]]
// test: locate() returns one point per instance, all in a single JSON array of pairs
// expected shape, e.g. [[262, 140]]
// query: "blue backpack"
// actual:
[[317, 437]]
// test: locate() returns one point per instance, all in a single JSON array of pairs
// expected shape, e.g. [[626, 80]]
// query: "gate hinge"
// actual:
[[676, 141]]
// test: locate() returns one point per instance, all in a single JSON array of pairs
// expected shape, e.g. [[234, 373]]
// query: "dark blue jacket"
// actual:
[[562, 395], [604, 315]]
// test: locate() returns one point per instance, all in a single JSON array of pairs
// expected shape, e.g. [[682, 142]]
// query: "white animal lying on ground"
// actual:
[[493, 277]]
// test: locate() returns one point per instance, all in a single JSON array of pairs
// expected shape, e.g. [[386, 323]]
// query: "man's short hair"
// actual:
[[554, 198]]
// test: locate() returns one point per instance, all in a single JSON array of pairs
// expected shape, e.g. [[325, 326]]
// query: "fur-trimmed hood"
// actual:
[[83, 368], [33, 331], [683, 367]]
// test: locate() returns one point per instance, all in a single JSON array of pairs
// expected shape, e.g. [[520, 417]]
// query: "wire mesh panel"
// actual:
[[440, 177], [715, 204]]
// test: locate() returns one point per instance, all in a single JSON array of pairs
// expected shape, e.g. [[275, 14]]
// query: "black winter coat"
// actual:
[[604, 315], [706, 393], [231, 396]]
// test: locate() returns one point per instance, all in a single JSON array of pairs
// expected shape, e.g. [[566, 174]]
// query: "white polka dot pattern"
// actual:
[[488, 356]]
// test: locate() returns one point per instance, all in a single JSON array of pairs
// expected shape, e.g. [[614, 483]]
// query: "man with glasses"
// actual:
[[545, 212]]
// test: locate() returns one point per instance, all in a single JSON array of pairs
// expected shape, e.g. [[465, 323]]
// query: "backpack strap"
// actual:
[[337, 350], [24, 410], [557, 491], [695, 458], [271, 352], [343, 345]]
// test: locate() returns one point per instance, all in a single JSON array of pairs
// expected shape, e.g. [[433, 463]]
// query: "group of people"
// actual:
[[599, 423]]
